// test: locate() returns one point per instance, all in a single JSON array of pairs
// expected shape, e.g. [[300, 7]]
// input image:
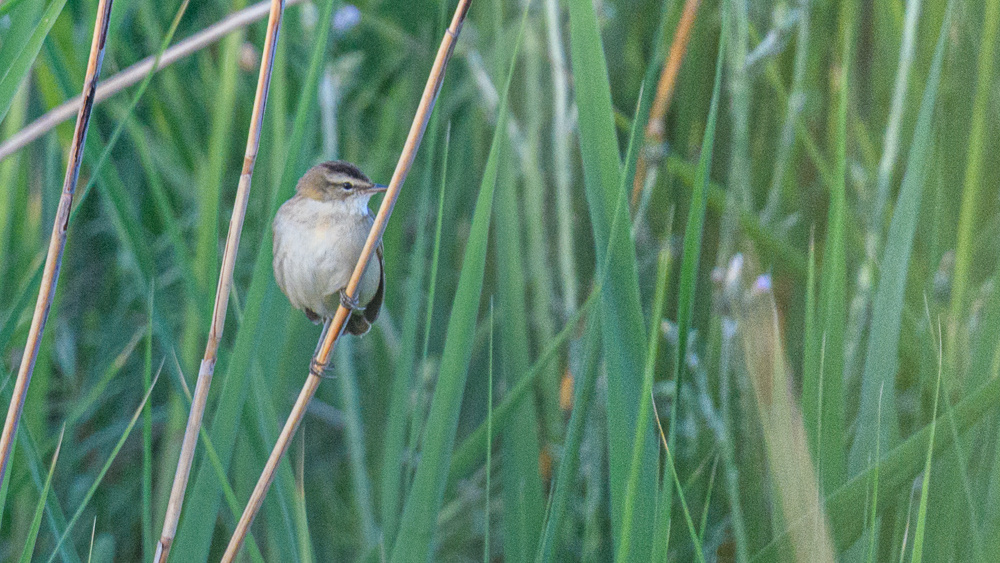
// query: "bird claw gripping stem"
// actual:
[[349, 303], [319, 370]]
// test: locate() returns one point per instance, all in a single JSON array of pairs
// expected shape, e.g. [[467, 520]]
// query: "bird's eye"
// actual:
[[347, 186]]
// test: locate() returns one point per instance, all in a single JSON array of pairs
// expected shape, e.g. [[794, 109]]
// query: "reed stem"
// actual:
[[137, 72], [57, 242], [655, 127], [322, 357], [207, 367]]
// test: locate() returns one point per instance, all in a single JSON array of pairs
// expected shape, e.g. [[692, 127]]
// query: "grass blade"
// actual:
[[416, 533], [693, 233], [918, 537], [36, 522], [104, 470], [624, 339], [469, 453], [13, 75], [147, 440], [402, 383], [974, 168], [521, 490], [489, 443], [883, 340], [566, 474], [656, 315], [823, 375]]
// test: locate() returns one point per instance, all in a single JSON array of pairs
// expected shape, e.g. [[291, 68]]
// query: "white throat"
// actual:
[[354, 205]]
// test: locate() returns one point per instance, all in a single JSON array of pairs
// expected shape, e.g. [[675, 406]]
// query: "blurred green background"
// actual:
[[805, 283]]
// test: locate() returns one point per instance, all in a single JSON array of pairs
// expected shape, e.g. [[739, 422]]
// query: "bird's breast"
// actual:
[[316, 247]]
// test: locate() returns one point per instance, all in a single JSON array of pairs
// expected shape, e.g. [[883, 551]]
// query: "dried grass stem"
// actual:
[[207, 367], [655, 127], [57, 242], [322, 356], [135, 73]]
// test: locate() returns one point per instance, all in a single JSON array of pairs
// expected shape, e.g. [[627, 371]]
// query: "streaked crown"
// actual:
[[334, 180]]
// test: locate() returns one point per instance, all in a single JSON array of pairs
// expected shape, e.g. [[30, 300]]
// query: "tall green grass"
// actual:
[[840, 149]]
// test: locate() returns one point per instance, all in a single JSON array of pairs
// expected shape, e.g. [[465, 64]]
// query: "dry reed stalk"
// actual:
[[793, 472], [336, 326], [207, 367], [57, 242], [655, 127], [135, 73]]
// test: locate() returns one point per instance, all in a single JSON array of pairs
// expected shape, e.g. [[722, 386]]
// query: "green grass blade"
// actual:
[[415, 539], [235, 508], [827, 383], [104, 470], [13, 75], [402, 380], [355, 435], [624, 337], [147, 440], [521, 490], [883, 340], [210, 182], [566, 474], [416, 421], [469, 453], [301, 517], [693, 234], [36, 522], [972, 183], [656, 315], [873, 514], [918, 537], [636, 141], [489, 444], [897, 469], [891, 144], [55, 516], [695, 541], [283, 530]]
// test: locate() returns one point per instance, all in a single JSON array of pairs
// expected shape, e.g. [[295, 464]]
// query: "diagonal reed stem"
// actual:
[[207, 367], [336, 327], [57, 242], [655, 127], [137, 72]]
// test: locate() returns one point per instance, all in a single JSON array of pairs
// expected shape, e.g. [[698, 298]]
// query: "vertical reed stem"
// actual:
[[57, 242], [322, 355], [207, 367]]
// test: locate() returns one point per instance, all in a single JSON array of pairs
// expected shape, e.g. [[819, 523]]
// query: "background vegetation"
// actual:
[[806, 286]]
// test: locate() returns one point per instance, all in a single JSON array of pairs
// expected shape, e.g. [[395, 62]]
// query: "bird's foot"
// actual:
[[349, 303], [319, 370]]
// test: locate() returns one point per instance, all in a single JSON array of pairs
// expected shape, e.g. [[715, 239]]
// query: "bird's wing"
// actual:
[[373, 307]]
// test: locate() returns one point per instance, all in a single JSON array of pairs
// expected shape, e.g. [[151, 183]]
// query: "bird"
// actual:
[[319, 234]]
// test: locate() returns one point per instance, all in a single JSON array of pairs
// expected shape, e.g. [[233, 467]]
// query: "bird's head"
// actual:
[[338, 181]]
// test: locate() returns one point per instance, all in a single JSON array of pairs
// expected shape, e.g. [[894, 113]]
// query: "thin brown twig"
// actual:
[[207, 367], [57, 242], [655, 127], [135, 73], [336, 327]]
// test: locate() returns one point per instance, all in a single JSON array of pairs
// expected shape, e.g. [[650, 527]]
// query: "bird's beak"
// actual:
[[378, 188]]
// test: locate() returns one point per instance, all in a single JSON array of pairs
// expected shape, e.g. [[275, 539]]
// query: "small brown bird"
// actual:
[[318, 237]]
